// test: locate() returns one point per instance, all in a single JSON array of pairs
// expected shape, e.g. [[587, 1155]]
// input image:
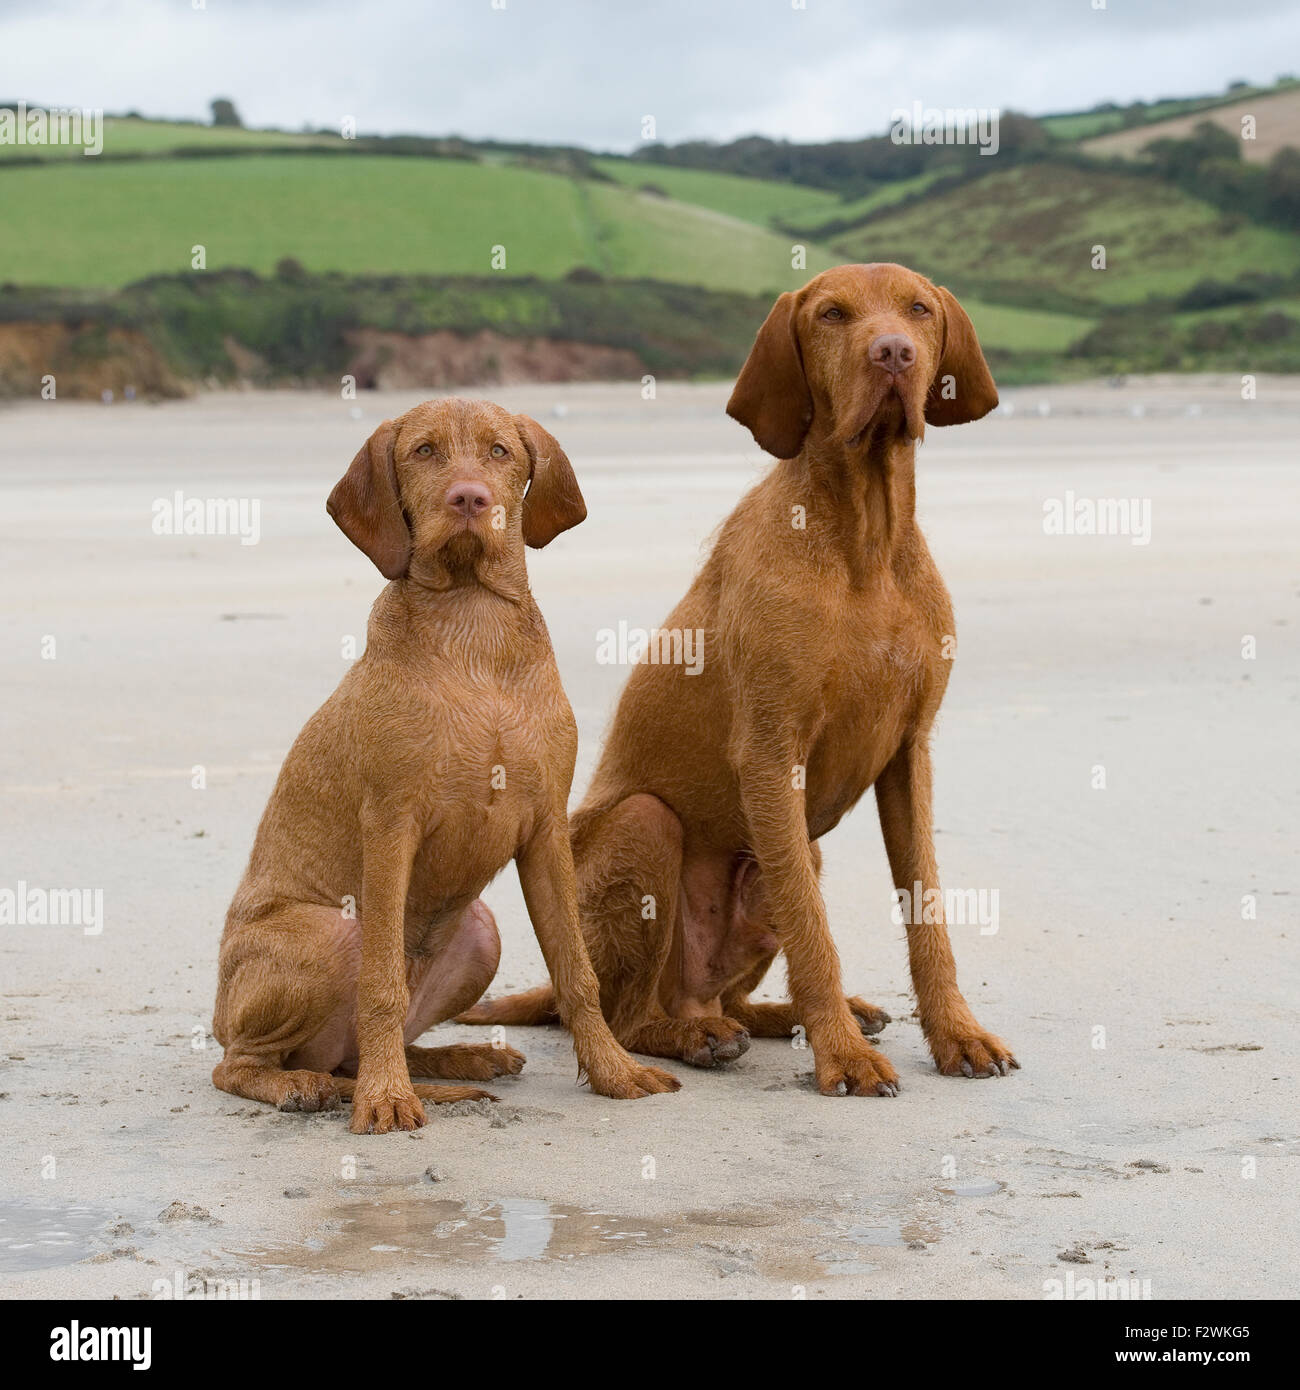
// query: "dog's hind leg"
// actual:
[[627, 859], [441, 986], [772, 1020], [779, 1020], [284, 988], [286, 1005], [630, 869], [532, 1007]]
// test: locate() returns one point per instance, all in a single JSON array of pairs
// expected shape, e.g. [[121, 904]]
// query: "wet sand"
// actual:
[[1151, 1136]]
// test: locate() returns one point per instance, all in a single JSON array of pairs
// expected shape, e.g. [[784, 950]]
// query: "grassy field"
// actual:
[[384, 215], [1084, 125], [1034, 227], [1023, 330], [1079, 125], [1277, 304], [1277, 116], [763, 201], [113, 223], [640, 234], [883, 197], [404, 242], [129, 135]]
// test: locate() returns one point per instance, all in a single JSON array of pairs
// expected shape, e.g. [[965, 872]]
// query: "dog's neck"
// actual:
[[867, 488], [464, 565], [459, 608], [468, 626]]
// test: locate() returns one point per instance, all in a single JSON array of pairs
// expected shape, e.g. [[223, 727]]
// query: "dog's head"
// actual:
[[861, 347], [458, 482]]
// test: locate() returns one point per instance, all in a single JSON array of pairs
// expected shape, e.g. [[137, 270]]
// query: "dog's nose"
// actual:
[[469, 499], [892, 351]]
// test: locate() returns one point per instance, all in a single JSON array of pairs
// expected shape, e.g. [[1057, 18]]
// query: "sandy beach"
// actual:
[[1115, 777]]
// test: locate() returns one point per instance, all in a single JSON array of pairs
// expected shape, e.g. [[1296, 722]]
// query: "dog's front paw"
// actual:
[[854, 1071], [970, 1051], [709, 1042], [381, 1109]]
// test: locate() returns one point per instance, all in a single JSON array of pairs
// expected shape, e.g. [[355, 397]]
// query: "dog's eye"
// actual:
[[425, 451], [920, 309], [498, 451], [833, 315]]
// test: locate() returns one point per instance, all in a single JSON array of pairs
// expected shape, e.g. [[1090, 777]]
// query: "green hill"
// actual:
[[1028, 233], [367, 214], [133, 135], [855, 210], [398, 235], [1108, 118], [1276, 115], [764, 201]]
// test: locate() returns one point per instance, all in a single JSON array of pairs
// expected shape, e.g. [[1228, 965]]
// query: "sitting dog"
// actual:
[[827, 649], [446, 751]]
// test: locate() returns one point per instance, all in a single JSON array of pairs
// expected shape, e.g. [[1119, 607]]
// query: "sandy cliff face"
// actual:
[[85, 360], [400, 361], [88, 359]]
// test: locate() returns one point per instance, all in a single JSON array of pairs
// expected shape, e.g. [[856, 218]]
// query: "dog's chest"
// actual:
[[887, 680], [496, 761]]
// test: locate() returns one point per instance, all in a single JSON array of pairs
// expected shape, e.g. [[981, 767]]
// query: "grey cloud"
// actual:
[[586, 72]]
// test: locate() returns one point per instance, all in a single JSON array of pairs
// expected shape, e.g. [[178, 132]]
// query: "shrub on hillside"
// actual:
[[224, 113]]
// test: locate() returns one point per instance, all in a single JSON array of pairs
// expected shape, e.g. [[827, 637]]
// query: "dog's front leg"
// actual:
[[844, 1062], [384, 1098], [903, 798], [550, 890]]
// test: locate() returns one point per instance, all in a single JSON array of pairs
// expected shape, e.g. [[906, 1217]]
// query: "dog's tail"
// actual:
[[532, 1007]]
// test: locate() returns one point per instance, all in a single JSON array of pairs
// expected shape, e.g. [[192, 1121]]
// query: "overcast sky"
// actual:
[[587, 71]]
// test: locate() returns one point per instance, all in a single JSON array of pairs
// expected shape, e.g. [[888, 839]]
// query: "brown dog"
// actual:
[[446, 751], [825, 626]]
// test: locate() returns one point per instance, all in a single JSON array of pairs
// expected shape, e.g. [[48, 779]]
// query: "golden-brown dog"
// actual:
[[826, 629], [446, 751]]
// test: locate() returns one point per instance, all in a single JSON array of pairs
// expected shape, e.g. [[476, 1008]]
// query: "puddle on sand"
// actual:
[[514, 1228], [986, 1188], [528, 1228], [891, 1233], [372, 1234], [741, 1218], [844, 1258], [34, 1237]]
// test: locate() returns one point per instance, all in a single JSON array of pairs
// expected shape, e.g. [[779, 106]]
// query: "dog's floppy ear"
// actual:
[[366, 505], [771, 398], [963, 388], [554, 500]]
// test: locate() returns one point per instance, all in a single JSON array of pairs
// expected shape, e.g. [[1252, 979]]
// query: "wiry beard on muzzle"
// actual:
[[465, 550], [875, 388], [464, 542]]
